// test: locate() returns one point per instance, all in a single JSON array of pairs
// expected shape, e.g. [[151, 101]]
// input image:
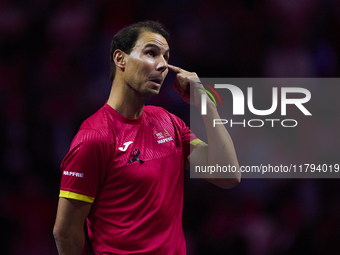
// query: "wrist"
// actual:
[[205, 105]]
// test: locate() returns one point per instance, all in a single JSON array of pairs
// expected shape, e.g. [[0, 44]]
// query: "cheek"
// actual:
[[142, 66], [134, 68]]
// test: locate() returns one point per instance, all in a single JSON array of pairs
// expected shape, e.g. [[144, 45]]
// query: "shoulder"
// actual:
[[101, 122], [159, 111], [96, 131], [97, 121], [163, 115]]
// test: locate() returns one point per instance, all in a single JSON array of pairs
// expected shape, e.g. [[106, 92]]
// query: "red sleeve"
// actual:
[[188, 137], [83, 168]]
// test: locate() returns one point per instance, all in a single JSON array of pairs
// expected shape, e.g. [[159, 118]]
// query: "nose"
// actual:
[[162, 65]]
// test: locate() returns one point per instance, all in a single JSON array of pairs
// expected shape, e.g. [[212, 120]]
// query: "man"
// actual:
[[123, 174]]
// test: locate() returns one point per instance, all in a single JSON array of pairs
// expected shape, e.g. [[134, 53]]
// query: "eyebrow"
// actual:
[[156, 46]]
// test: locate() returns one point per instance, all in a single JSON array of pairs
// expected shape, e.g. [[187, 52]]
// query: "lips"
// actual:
[[157, 81]]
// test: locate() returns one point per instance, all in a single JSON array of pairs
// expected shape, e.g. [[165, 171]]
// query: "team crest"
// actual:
[[162, 137]]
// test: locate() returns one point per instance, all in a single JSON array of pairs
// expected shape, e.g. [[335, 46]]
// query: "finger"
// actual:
[[175, 69]]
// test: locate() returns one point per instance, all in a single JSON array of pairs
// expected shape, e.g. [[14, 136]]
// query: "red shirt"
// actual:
[[137, 207]]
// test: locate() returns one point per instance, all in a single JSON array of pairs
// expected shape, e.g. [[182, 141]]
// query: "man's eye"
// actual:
[[150, 53]]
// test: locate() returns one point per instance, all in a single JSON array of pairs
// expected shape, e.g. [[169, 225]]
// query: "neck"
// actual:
[[125, 100]]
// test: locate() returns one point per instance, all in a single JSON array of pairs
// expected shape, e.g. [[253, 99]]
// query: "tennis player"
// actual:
[[123, 175]]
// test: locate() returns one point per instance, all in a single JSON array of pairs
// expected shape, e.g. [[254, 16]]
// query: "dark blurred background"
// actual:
[[54, 73]]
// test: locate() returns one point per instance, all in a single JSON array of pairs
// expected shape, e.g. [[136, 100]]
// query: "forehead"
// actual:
[[147, 38]]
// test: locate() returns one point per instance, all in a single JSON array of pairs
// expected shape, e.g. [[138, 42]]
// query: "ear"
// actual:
[[119, 58]]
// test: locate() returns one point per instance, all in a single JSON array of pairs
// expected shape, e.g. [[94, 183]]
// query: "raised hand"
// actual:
[[185, 83]]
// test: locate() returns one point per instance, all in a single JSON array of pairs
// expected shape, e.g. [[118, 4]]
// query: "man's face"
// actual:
[[147, 64]]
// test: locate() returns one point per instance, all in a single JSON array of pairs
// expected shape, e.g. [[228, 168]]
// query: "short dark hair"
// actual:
[[126, 39]]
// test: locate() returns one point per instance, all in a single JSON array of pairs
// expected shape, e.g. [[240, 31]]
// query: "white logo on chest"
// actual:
[[126, 145], [162, 137]]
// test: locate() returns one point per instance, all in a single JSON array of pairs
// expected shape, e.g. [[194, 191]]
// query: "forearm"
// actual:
[[221, 150]]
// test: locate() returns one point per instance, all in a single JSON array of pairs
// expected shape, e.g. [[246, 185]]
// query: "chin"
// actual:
[[151, 93]]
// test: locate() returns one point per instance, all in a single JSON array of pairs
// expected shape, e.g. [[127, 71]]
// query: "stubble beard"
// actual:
[[146, 90]]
